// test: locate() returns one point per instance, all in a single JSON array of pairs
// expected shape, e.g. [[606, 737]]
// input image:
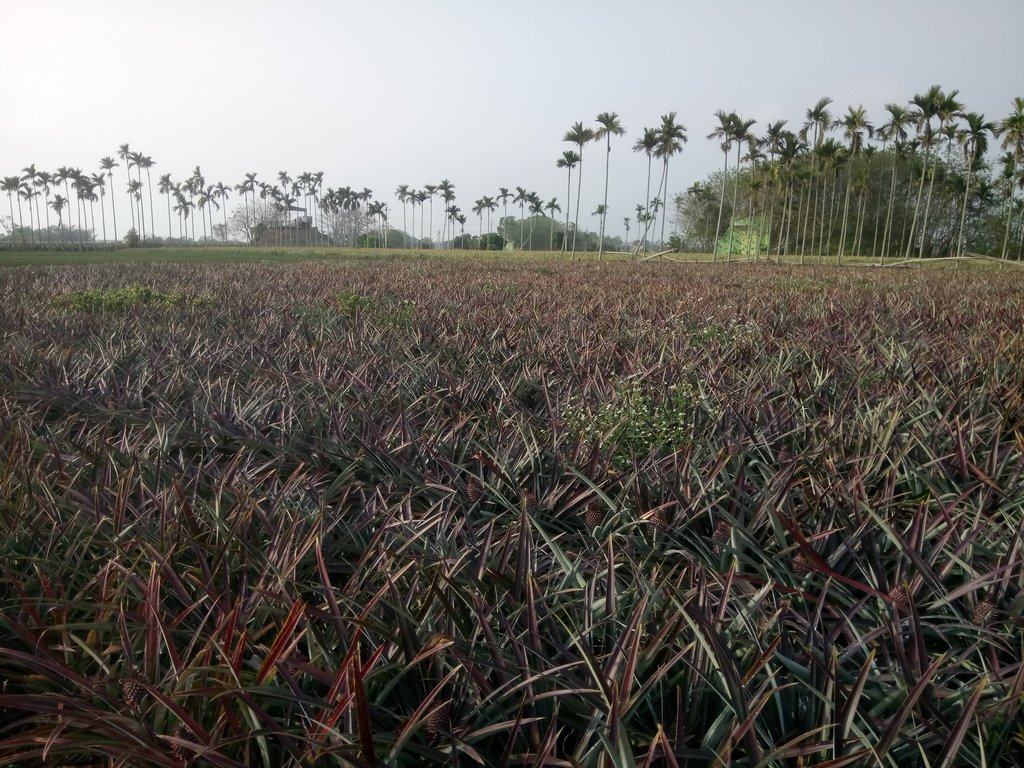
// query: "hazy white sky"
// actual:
[[379, 93]]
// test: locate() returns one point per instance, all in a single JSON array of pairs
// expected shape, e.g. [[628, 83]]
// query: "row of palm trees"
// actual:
[[791, 171], [808, 176]]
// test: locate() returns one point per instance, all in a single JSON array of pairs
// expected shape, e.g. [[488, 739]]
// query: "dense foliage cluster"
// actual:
[[473, 513]]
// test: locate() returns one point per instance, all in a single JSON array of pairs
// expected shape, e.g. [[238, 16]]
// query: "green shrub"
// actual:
[[121, 299]]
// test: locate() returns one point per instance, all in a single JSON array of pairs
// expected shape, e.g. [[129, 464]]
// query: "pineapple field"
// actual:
[[411, 511]]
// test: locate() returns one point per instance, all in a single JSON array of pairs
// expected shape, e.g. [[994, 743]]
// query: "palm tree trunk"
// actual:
[[961, 240], [152, 221], [568, 197], [917, 205], [887, 232], [170, 231], [786, 222], [579, 190], [846, 211], [1009, 211], [31, 222], [808, 207], [113, 208], [927, 208], [735, 191], [604, 207], [10, 203], [878, 207], [721, 205], [664, 202], [103, 218], [771, 219], [647, 204], [46, 207], [39, 221]]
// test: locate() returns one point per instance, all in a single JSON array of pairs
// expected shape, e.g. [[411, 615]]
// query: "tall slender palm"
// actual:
[[44, 180], [447, 192], [431, 190], [610, 126], [137, 160], [221, 192], [247, 188], [421, 198], [578, 135], [316, 185], [671, 138], [1011, 130], [926, 109], [29, 180], [99, 182], [135, 191], [461, 218], [11, 185], [286, 182], [536, 207], [946, 108], [490, 204], [521, 198], [108, 164], [145, 163], [27, 193], [724, 133], [552, 206], [568, 160], [183, 207], [88, 193], [165, 187], [58, 204], [895, 130], [647, 143], [124, 153], [741, 136], [479, 208], [625, 222], [854, 124], [504, 196], [194, 185], [774, 140], [973, 137], [402, 193], [831, 158], [819, 119], [61, 176]]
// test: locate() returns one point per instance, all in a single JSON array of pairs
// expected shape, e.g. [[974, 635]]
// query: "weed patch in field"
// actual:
[[121, 299]]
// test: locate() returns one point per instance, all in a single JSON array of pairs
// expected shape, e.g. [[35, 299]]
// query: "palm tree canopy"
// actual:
[[1011, 129], [569, 159], [855, 124], [724, 131], [610, 125], [818, 117], [671, 136], [579, 135], [895, 128], [973, 137], [648, 142]]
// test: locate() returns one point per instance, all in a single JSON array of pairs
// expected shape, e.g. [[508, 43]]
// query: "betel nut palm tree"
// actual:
[[568, 160], [609, 125], [647, 143], [580, 136], [1011, 131], [108, 164], [671, 138], [723, 133]]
